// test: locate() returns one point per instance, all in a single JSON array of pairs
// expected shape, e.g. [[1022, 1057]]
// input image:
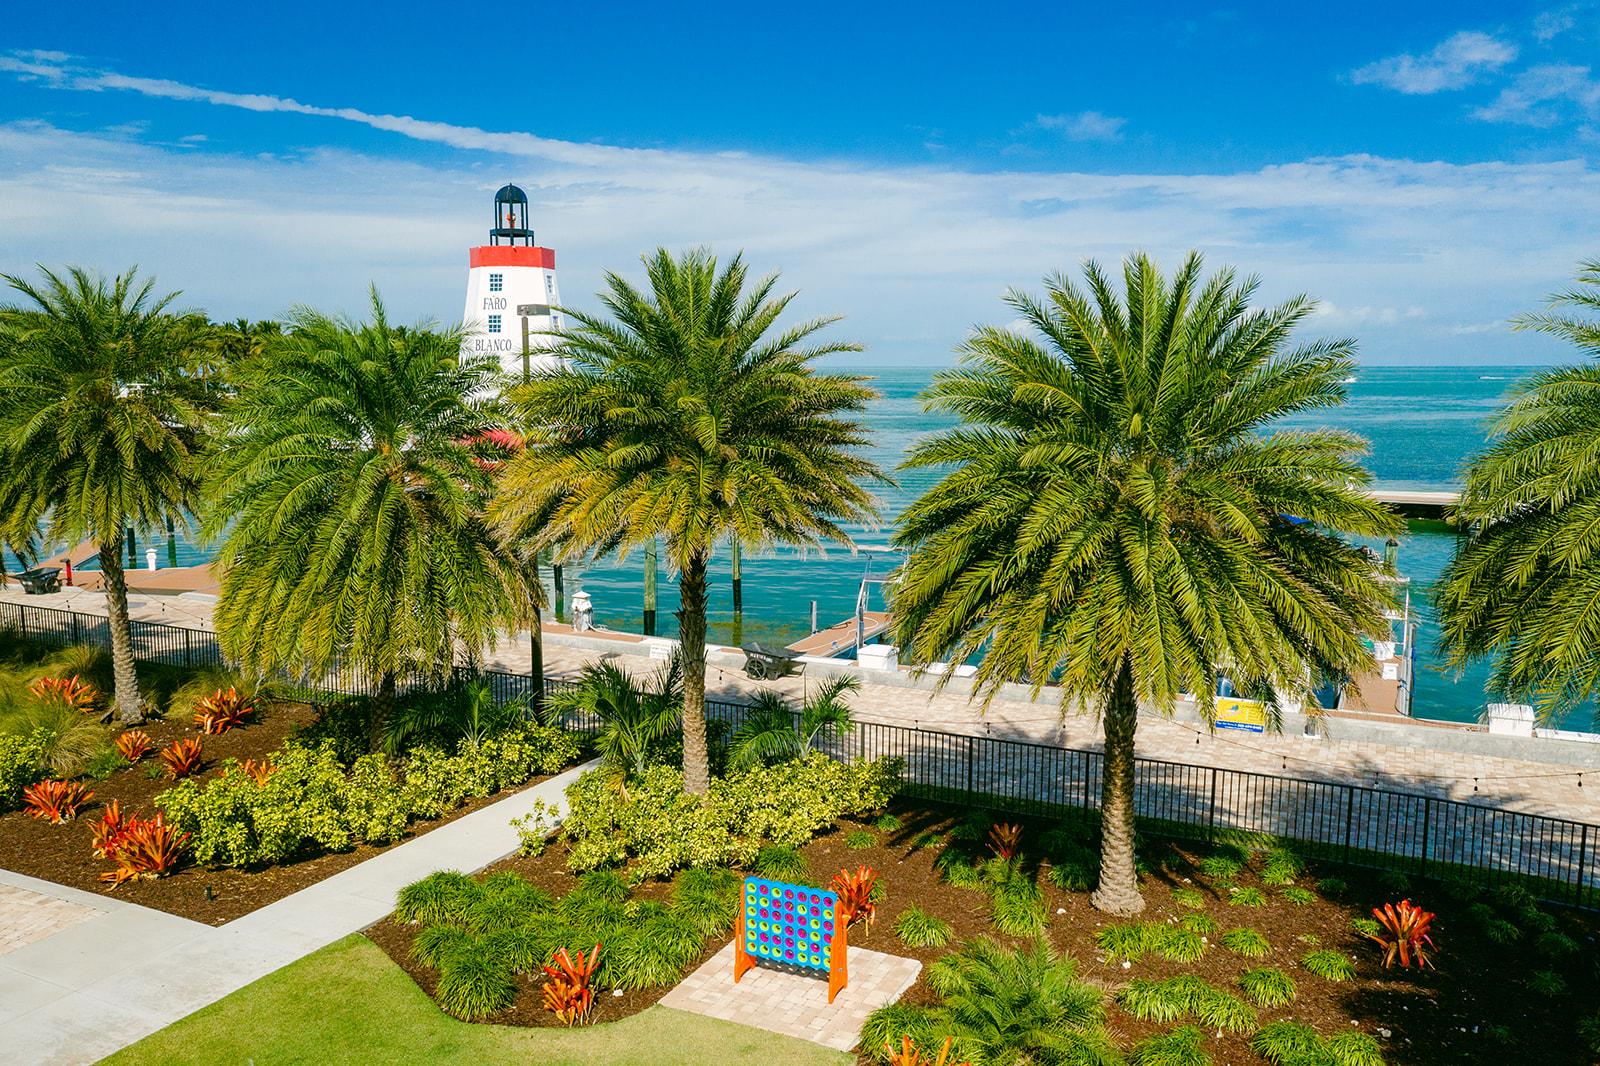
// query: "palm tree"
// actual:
[[773, 731], [349, 496], [1119, 515], [103, 407], [634, 717], [1523, 586], [687, 415]]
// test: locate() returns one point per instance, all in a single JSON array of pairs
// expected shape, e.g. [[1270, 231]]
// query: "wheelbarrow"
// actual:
[[762, 663]]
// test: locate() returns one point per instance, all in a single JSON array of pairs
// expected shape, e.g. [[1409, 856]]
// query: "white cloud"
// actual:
[[1544, 96], [1548, 25], [1083, 126], [1456, 62], [913, 255]]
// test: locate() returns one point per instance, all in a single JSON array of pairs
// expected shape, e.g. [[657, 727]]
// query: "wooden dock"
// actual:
[[839, 638]]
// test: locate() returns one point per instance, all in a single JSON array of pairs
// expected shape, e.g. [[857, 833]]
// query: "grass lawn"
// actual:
[[349, 1003]]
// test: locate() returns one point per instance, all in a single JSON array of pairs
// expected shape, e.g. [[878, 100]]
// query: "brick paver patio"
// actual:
[[794, 1005], [28, 916]]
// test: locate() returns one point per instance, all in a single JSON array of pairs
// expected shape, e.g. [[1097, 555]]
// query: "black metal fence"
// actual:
[[1372, 827]]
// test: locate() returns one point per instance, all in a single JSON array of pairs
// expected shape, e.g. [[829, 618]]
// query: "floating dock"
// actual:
[[840, 638]]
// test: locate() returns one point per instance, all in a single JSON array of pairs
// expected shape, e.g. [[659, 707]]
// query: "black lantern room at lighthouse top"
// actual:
[[511, 217]]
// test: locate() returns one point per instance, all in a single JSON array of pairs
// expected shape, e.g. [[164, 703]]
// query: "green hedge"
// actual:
[[655, 827], [313, 802], [19, 767]]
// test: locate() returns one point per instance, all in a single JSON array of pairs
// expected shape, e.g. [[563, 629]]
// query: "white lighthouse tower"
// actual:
[[511, 290]]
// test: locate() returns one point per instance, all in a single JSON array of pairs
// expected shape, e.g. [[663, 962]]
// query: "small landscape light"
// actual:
[[210, 894]]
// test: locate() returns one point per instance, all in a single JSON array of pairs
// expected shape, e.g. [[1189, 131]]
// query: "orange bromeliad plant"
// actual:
[[855, 895], [567, 993], [133, 744], [258, 771], [56, 800], [221, 711], [182, 757], [1405, 936], [107, 831], [145, 848], [72, 691], [1005, 839], [911, 1055]]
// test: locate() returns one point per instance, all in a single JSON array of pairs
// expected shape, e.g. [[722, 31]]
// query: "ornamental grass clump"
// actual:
[[779, 863], [1183, 1046], [1286, 1043], [1281, 868], [918, 929], [1267, 987], [1247, 942], [1016, 906], [1328, 965]]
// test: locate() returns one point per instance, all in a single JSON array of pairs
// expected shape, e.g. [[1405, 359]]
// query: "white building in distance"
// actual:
[[511, 290]]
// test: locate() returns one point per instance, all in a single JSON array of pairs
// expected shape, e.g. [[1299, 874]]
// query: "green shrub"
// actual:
[[778, 862], [1365, 926], [439, 898], [1547, 983], [1247, 942], [1128, 940], [658, 828], [651, 950], [1017, 906], [19, 767], [919, 929], [958, 869], [1282, 867], [1555, 946], [534, 828], [1223, 865], [1192, 898], [1300, 897], [1042, 997], [1351, 1049], [1288, 1044], [1169, 1000], [1181, 1047], [1249, 896], [1158, 1001], [1180, 945], [1501, 931], [860, 839], [1328, 965], [887, 823], [436, 945], [1394, 883], [1267, 987], [1333, 886], [474, 981], [887, 1024], [1221, 1010], [707, 898], [1589, 1032], [1072, 876], [1196, 922], [437, 782]]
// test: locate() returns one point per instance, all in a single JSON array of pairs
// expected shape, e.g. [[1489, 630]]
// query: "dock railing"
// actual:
[[1409, 832]]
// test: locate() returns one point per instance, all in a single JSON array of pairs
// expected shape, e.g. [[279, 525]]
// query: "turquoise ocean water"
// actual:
[[1422, 422]]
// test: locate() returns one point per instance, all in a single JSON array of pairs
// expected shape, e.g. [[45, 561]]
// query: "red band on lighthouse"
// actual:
[[512, 255]]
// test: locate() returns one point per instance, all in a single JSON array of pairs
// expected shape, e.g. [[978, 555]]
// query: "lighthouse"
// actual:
[[511, 292]]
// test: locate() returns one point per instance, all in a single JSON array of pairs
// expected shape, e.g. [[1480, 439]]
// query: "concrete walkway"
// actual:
[[122, 973]]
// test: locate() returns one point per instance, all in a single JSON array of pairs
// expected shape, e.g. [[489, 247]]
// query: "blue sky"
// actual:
[[1426, 172]]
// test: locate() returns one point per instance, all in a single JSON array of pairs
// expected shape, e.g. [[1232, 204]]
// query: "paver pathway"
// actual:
[[125, 971], [26, 916], [794, 1004]]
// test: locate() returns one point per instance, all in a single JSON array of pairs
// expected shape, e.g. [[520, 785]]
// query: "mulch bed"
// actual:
[[61, 853], [1446, 1015]]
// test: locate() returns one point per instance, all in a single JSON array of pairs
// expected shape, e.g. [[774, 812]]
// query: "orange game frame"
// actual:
[[838, 952]]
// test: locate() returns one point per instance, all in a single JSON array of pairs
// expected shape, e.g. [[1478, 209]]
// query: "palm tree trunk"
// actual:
[[125, 677], [1118, 890], [382, 711], [692, 636]]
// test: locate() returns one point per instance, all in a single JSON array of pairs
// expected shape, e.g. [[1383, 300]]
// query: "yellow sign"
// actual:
[[1247, 715]]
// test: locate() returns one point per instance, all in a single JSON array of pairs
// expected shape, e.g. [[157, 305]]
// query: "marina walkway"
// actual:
[[109, 973], [1411, 756]]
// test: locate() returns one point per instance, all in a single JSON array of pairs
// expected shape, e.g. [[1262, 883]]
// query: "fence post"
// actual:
[[861, 741], [1088, 758], [187, 659], [1349, 819], [1427, 814], [1583, 863], [1211, 810], [972, 743]]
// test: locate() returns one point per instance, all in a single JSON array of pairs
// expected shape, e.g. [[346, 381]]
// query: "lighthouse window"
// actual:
[[494, 323], [495, 281], [549, 286]]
